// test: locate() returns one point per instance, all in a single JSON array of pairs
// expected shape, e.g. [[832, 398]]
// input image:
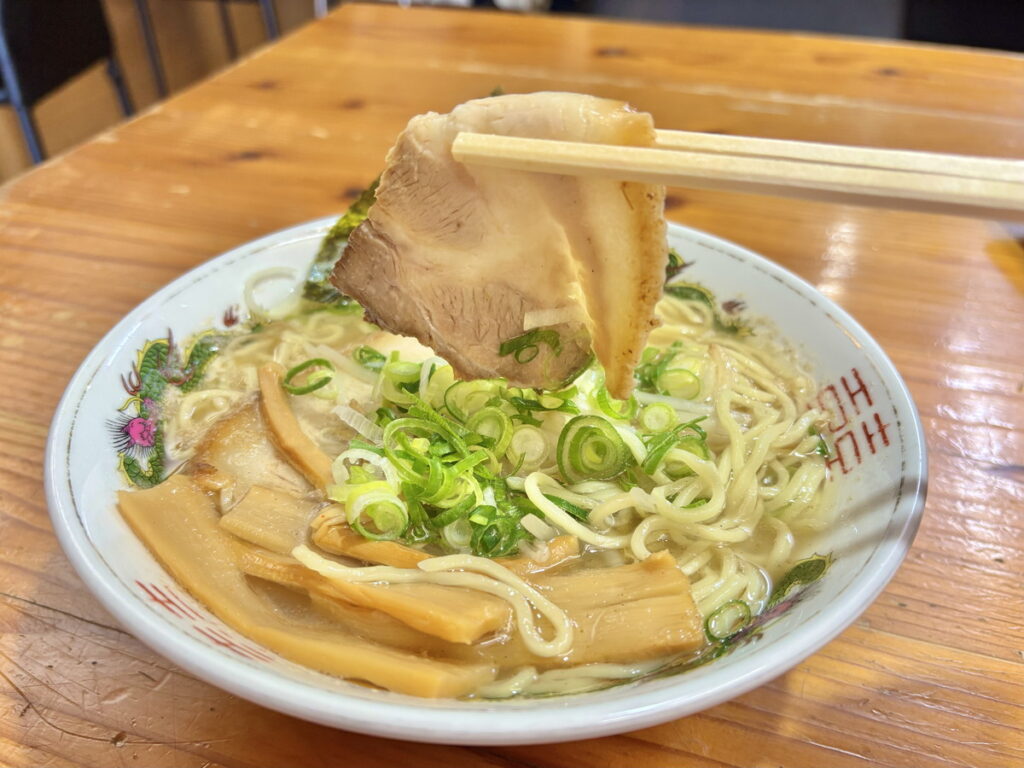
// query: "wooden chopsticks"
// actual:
[[925, 181]]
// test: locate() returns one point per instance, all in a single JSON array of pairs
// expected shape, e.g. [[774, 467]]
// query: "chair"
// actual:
[[43, 44], [270, 22]]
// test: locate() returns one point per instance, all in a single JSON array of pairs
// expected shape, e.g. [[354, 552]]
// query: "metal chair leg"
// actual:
[[21, 109], [229, 31], [152, 51], [270, 19], [31, 133], [114, 71]]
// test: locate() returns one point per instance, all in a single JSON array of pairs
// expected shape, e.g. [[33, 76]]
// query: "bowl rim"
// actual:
[[479, 723]]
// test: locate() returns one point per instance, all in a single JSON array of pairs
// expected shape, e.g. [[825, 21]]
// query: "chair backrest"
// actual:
[[51, 41]]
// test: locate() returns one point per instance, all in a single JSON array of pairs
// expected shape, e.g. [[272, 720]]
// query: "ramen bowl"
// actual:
[[878, 469]]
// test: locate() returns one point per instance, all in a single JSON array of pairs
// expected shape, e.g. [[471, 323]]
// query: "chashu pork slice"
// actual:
[[468, 259]]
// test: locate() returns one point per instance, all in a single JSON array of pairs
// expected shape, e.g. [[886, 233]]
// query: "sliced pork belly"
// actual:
[[468, 259]]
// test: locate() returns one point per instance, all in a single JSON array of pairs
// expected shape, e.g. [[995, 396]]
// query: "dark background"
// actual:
[[979, 23]]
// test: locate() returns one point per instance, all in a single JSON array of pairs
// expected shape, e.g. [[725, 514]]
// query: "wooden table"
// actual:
[[931, 675]]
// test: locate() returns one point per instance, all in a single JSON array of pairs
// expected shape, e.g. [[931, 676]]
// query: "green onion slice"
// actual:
[[658, 417], [312, 382], [498, 537], [463, 398], [375, 511], [526, 402], [679, 382], [659, 445], [623, 410], [578, 512], [459, 511], [458, 534], [654, 362], [400, 381], [589, 448], [369, 358], [528, 448], [440, 379], [525, 348], [726, 620], [693, 444], [495, 425]]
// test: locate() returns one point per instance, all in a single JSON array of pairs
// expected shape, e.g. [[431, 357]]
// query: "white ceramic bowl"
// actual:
[[880, 473]]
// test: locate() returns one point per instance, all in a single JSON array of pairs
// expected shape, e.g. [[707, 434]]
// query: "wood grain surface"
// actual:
[[931, 675]]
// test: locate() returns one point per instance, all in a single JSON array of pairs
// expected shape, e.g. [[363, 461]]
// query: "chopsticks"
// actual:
[[924, 181]]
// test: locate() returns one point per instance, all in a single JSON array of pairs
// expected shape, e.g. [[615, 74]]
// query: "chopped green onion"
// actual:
[[578, 512], [679, 382], [482, 514], [525, 347], [458, 535], [478, 456], [419, 530], [312, 383], [440, 379], [497, 539], [726, 620], [400, 381], [362, 445], [369, 358], [627, 480], [693, 444], [659, 445], [357, 475], [384, 416], [495, 425], [526, 402], [654, 362], [658, 448], [463, 398], [495, 534], [375, 511], [624, 410], [589, 448], [528, 448], [457, 512], [329, 392], [658, 417], [450, 431]]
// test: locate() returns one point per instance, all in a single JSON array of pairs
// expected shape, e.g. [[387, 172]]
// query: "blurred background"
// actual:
[[58, 85]]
